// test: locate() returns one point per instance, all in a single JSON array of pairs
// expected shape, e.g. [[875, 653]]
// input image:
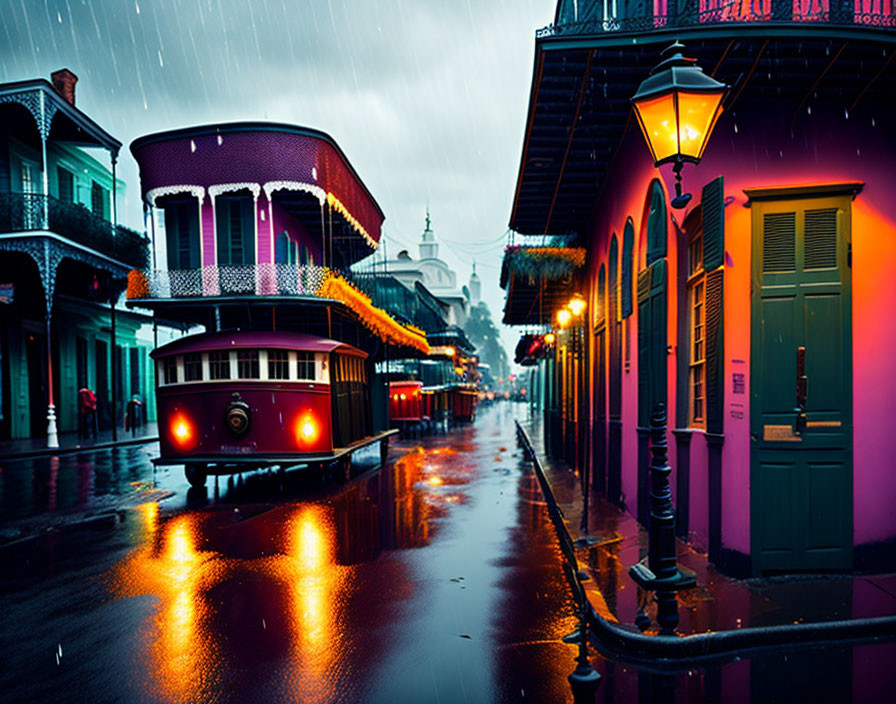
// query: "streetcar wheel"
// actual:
[[196, 475]]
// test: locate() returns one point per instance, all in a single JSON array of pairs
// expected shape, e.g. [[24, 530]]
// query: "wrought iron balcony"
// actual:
[[576, 17], [264, 279], [29, 212]]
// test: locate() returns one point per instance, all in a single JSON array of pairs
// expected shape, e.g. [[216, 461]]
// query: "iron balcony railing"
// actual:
[[28, 212], [602, 16], [264, 279]]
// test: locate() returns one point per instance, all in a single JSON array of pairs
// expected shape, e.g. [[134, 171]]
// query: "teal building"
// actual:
[[64, 261]]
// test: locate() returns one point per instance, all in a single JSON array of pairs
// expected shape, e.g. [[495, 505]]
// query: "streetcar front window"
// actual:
[[219, 365], [278, 364], [247, 364], [170, 368], [193, 367], [305, 365]]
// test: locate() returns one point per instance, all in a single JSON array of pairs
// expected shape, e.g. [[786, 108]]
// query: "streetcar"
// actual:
[[232, 401]]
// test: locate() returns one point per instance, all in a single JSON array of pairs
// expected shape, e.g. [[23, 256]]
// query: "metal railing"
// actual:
[[264, 279], [28, 212], [603, 16]]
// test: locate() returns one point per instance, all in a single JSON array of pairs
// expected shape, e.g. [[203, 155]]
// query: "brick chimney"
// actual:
[[64, 82]]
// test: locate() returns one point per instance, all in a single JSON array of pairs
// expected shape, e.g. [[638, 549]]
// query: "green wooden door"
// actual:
[[801, 473]]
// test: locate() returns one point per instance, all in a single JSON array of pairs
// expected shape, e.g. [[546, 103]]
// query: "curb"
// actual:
[[701, 646], [56, 451]]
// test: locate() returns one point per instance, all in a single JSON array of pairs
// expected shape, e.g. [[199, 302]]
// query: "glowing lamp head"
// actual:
[[677, 107], [563, 317], [403, 397], [450, 351], [577, 305], [550, 338]]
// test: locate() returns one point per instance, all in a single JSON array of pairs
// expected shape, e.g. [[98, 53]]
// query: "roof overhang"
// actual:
[[584, 77]]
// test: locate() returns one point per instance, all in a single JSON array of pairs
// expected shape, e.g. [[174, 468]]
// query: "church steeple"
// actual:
[[429, 248], [475, 286]]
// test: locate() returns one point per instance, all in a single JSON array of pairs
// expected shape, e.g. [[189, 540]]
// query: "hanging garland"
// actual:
[[375, 319], [542, 262], [337, 205], [138, 286]]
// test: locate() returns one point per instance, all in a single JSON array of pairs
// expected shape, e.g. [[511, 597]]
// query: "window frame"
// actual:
[[695, 292]]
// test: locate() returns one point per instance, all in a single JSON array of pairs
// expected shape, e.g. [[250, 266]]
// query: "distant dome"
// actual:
[[403, 254]]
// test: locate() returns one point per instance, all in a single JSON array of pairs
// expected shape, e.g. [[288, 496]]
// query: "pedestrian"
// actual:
[[86, 413], [133, 415]]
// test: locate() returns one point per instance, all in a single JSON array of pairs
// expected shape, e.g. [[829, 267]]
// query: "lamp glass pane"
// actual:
[[657, 117], [697, 113]]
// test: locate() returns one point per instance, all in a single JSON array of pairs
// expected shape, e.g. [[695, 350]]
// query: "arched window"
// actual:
[[613, 271], [600, 309], [286, 250], [628, 244], [656, 224]]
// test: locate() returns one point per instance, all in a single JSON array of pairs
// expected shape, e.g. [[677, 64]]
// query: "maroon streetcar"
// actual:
[[232, 400]]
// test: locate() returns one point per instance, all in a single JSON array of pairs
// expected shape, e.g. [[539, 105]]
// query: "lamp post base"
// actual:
[[52, 434]]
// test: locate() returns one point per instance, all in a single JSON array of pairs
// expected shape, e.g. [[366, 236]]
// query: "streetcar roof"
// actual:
[[205, 342]]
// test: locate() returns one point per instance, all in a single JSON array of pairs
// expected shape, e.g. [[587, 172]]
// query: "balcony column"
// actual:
[[44, 128], [114, 154]]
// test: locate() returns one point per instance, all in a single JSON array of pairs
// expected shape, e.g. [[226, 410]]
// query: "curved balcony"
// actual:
[[264, 279], [34, 212], [588, 17]]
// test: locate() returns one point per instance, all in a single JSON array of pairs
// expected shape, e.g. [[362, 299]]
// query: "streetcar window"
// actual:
[[219, 365], [170, 368], [193, 367], [278, 364], [305, 365], [247, 364]]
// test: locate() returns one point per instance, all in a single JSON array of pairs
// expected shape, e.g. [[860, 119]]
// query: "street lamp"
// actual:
[[678, 106], [563, 317], [577, 305]]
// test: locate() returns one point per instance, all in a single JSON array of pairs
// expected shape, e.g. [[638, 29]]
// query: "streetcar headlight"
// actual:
[[307, 430], [183, 433]]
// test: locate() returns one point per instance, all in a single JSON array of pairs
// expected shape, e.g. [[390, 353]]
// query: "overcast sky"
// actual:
[[427, 98]]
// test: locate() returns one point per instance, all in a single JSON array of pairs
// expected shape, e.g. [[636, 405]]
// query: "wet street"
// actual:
[[436, 578]]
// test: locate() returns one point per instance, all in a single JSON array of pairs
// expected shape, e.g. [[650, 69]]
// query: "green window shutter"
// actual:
[[628, 243], [247, 211], [66, 182], [715, 350], [713, 205], [656, 224], [643, 346], [222, 231]]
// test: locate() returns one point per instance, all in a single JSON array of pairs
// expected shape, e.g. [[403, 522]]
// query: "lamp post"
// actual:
[[678, 106]]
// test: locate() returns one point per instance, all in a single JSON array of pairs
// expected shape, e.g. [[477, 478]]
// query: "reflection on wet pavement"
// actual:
[[434, 579]]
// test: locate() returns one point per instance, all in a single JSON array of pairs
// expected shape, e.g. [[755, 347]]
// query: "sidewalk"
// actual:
[[70, 442], [721, 613]]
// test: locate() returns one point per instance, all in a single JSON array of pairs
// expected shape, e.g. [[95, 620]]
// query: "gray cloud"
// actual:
[[428, 99]]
